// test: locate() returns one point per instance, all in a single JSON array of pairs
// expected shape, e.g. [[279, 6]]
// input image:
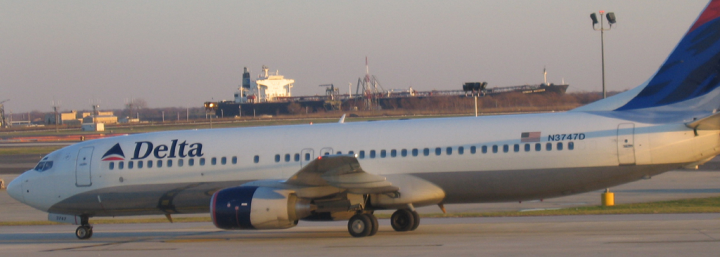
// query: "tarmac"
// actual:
[[608, 235]]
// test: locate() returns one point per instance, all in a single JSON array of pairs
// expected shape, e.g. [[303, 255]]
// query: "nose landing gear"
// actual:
[[84, 231]]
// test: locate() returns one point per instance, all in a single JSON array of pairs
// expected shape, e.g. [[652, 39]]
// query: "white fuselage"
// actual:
[[585, 152]]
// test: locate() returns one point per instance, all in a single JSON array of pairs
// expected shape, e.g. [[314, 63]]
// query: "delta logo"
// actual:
[[114, 154], [144, 149]]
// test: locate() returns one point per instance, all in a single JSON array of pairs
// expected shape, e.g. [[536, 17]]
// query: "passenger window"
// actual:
[[448, 151], [191, 162], [121, 165], [516, 148], [297, 157], [461, 150], [414, 152], [234, 160], [372, 153], [112, 165], [438, 151], [277, 158], [484, 149], [495, 148], [130, 164], [256, 159], [213, 161], [548, 146], [307, 156], [559, 146], [169, 163], [149, 164], [202, 161], [338, 152], [527, 147], [426, 151], [361, 154], [538, 147], [403, 152], [159, 163], [287, 157], [506, 148], [473, 149], [393, 153], [223, 160], [571, 145], [140, 164], [383, 154]]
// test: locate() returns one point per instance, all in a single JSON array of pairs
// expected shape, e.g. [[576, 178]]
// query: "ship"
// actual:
[[270, 94]]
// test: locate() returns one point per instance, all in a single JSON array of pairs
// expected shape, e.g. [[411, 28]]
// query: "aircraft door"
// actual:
[[626, 143], [83, 164], [326, 151], [306, 156]]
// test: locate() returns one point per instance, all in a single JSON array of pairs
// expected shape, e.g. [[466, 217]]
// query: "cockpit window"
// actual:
[[43, 166]]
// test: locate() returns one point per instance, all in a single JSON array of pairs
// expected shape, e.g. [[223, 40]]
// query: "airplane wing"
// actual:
[[341, 171]]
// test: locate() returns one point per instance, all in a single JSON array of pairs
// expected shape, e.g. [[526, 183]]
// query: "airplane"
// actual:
[[272, 177]]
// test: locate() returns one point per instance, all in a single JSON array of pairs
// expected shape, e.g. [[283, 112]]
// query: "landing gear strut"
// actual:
[[405, 220], [84, 231], [362, 225]]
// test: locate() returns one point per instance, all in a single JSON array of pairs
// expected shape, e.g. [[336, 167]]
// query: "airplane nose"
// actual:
[[14, 189]]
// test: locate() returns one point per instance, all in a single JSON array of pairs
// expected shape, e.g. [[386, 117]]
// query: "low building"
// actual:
[[107, 119]]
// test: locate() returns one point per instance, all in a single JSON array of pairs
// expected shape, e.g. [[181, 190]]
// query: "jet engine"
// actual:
[[251, 207]]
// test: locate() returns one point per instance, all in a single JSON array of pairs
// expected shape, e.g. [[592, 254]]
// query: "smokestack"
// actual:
[[246, 79]]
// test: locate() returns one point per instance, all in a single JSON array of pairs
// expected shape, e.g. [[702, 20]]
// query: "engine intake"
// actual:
[[251, 207]]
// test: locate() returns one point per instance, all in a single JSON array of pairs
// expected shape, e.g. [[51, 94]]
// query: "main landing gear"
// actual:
[[84, 231], [362, 225], [366, 224], [405, 220]]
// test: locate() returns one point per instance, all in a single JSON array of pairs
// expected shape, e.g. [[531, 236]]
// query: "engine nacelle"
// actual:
[[251, 207]]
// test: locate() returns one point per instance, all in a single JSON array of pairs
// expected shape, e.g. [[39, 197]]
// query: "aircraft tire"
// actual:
[[375, 224], [360, 225], [402, 220], [416, 220], [83, 232]]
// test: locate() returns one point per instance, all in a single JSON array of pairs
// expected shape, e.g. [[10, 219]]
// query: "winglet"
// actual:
[[342, 119]]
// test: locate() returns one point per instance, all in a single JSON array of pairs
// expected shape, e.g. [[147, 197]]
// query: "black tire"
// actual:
[[402, 220], [375, 224], [360, 225], [416, 220], [83, 232]]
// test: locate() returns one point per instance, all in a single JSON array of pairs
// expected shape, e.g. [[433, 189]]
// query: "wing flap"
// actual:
[[341, 171]]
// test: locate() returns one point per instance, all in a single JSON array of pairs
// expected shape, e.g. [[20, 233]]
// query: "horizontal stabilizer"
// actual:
[[711, 122]]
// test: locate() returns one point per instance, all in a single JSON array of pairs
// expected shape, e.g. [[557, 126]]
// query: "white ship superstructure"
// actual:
[[267, 88]]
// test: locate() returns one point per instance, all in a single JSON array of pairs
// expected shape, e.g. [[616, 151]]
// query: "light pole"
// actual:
[[611, 20]]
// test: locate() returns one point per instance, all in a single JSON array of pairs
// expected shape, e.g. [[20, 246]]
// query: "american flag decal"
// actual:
[[530, 137]]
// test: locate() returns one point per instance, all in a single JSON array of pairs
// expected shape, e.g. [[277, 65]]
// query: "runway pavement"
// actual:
[[609, 235]]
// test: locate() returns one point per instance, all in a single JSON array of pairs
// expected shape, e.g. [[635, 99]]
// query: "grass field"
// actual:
[[699, 205]]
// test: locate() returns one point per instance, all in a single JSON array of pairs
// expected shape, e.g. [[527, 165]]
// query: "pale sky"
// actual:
[[182, 53]]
